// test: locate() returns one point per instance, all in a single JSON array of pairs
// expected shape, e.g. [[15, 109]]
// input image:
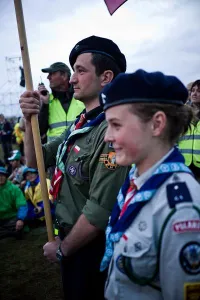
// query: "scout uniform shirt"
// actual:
[[92, 178], [158, 256]]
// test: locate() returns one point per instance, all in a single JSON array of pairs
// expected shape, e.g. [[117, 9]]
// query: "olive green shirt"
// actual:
[[91, 181]]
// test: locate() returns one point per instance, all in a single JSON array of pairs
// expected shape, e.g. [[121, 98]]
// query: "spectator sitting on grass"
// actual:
[[13, 207], [33, 196], [17, 169]]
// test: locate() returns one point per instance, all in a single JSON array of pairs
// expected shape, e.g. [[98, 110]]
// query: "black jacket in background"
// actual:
[[6, 132]]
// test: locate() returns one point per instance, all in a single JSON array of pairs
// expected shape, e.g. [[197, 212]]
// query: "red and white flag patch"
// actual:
[[77, 149], [187, 226]]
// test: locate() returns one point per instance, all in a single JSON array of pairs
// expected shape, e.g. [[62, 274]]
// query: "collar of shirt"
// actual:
[[140, 180], [92, 114]]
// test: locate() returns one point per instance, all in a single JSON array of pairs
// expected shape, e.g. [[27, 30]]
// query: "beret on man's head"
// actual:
[[143, 87], [96, 44]]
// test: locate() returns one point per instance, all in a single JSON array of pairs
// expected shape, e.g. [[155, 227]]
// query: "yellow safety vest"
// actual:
[[19, 135], [58, 119], [189, 145]]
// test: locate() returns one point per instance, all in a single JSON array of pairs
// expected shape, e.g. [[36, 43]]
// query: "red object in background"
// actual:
[[113, 5]]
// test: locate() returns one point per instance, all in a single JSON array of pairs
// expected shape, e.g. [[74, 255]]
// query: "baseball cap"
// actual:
[[58, 66], [16, 155]]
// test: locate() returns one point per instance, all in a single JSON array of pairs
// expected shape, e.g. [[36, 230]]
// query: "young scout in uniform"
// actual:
[[87, 178], [153, 235]]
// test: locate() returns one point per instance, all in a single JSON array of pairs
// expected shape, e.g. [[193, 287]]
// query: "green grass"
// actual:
[[25, 273]]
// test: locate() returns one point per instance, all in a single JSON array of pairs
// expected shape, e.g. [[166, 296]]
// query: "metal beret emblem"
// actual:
[[103, 98], [76, 47]]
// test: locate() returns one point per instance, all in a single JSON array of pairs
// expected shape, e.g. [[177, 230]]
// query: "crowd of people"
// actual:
[[123, 155]]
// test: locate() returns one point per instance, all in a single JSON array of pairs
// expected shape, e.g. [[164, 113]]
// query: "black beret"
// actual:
[[96, 44], [143, 87]]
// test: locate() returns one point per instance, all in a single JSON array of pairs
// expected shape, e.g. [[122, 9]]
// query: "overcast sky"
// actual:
[[156, 35]]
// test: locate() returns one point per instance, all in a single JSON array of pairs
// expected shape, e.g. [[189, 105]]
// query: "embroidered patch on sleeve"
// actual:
[[187, 226], [191, 291], [190, 258], [109, 160]]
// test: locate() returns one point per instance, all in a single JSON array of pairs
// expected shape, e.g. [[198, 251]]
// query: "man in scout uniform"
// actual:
[[59, 109], [87, 178]]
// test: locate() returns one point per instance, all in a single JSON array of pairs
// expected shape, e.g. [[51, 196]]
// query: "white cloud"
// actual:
[[154, 35]]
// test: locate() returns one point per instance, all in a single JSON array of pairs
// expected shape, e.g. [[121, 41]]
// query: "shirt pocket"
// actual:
[[78, 168], [140, 255]]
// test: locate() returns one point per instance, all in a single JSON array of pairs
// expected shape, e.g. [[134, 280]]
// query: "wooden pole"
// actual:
[[34, 118]]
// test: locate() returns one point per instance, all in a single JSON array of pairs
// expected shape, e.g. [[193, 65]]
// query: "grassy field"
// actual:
[[24, 272]]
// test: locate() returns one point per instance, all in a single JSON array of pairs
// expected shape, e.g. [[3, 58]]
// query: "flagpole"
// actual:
[[34, 118]]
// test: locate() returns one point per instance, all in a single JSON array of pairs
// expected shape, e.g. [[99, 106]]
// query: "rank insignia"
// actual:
[[109, 160]]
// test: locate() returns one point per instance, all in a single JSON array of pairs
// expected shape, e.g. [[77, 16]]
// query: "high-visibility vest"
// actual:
[[58, 119], [19, 135], [189, 145]]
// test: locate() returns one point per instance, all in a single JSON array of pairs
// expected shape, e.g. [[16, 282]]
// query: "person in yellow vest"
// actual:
[[19, 135], [33, 196], [189, 144], [59, 109]]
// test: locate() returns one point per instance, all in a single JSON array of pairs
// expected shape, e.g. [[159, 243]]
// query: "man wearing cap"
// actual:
[[16, 176], [58, 109], [87, 178], [13, 207]]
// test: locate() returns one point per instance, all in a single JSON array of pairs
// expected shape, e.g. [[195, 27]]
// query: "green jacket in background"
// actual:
[[11, 200], [92, 179]]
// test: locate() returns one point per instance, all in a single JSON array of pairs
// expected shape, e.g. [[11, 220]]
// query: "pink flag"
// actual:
[[113, 5]]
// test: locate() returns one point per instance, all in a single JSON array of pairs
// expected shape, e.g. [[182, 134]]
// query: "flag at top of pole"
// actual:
[[113, 5]]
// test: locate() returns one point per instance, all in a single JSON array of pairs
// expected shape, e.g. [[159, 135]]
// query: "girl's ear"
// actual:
[[159, 121]]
